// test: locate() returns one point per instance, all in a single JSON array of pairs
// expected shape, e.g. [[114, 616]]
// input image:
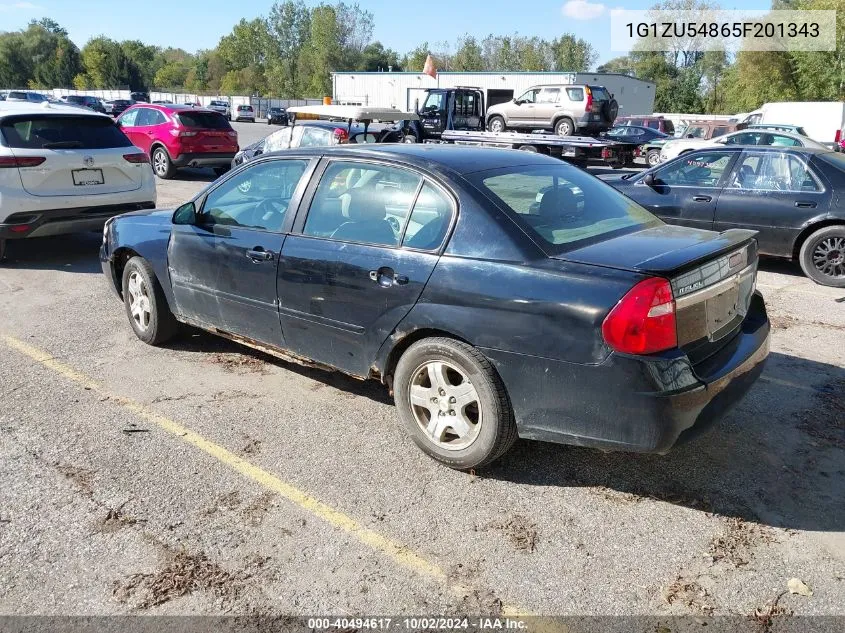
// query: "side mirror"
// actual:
[[186, 214], [649, 180]]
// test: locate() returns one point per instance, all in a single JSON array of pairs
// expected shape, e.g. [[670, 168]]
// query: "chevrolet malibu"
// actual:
[[497, 294]]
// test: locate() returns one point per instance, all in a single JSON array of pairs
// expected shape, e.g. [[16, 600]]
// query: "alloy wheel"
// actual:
[[139, 301], [160, 163], [445, 405], [829, 257]]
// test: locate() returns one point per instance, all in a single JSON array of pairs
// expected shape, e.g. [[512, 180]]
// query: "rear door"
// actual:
[[223, 268], [774, 193], [358, 261], [548, 105], [686, 190], [72, 154]]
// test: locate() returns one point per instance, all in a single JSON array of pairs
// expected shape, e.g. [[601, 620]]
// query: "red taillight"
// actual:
[[643, 322], [340, 135], [838, 136], [136, 158], [182, 133], [21, 161], [19, 228], [606, 152], [589, 92]]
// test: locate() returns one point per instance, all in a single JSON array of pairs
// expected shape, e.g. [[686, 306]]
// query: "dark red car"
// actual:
[[177, 136]]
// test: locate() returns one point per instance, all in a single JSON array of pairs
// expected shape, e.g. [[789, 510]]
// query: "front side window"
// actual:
[[129, 118], [701, 170], [549, 202], [362, 202], [257, 198], [529, 96], [434, 102], [695, 131]]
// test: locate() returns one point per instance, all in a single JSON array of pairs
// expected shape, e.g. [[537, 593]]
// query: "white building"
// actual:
[[402, 89]]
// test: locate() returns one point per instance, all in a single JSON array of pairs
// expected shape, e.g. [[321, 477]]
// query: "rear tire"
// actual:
[[496, 124], [146, 306], [564, 127], [822, 256], [465, 392], [528, 148], [162, 165]]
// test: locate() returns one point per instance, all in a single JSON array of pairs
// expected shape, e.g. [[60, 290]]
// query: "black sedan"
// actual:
[[425, 267], [634, 134], [793, 196], [277, 116]]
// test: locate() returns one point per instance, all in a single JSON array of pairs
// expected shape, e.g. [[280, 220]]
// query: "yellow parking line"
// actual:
[[401, 554]]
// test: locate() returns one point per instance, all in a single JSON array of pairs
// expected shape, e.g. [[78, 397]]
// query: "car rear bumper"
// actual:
[[42, 223], [223, 159], [629, 403]]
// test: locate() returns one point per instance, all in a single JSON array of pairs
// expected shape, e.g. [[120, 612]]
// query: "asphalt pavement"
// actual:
[[203, 477]]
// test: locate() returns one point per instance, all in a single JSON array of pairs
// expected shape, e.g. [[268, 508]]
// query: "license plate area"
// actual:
[[723, 311], [87, 177]]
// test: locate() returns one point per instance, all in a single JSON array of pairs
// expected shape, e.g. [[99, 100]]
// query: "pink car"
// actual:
[[177, 136]]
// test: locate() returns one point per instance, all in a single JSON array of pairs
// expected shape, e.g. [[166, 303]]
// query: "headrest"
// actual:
[[366, 204], [559, 201]]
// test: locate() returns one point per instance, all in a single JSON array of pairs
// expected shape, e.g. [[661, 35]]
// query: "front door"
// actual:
[[128, 123], [521, 111], [223, 268], [774, 193], [686, 190], [433, 113], [362, 257]]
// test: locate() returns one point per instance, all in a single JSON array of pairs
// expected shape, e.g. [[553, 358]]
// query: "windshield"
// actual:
[[62, 132], [434, 102], [551, 204]]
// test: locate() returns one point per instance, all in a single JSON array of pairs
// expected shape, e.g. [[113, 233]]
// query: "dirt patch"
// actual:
[[765, 616], [82, 478], [255, 511], [614, 495], [783, 322], [232, 394], [735, 545], [229, 501], [825, 420], [520, 532], [184, 573], [239, 363], [252, 447], [115, 519], [689, 594]]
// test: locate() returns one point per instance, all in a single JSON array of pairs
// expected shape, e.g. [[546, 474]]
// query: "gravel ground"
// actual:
[[206, 478]]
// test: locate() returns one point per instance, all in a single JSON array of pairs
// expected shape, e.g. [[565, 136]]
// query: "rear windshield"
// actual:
[[244, 107], [209, 120], [600, 93], [62, 132], [218, 103], [17, 95], [560, 205], [73, 99]]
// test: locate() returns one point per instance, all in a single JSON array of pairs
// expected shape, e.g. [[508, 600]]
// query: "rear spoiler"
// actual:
[[684, 258]]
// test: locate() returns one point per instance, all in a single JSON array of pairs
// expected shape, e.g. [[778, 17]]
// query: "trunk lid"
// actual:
[[713, 277], [82, 155]]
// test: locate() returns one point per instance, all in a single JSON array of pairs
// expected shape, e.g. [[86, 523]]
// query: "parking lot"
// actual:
[[203, 477]]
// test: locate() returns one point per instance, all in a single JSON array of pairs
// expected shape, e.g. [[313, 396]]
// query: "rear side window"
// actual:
[[66, 132], [550, 202], [17, 95], [575, 94], [208, 120]]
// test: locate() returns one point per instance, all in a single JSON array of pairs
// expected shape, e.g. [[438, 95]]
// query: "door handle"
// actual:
[[386, 277], [258, 255], [702, 198], [805, 205]]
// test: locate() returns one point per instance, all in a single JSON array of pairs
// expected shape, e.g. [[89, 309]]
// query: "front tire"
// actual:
[[453, 404], [146, 306], [162, 165], [653, 157], [822, 256], [497, 124]]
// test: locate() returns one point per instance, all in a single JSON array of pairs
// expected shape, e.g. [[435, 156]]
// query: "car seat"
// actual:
[[367, 212]]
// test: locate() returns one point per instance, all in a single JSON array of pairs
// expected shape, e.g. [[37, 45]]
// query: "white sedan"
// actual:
[[65, 169], [680, 146]]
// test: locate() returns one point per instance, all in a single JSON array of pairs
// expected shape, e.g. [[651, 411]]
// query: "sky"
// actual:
[[183, 24]]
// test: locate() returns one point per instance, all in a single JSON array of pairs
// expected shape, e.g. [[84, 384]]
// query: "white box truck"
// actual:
[[822, 120]]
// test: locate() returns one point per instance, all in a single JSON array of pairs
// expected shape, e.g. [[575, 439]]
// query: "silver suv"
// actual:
[[222, 107], [566, 108]]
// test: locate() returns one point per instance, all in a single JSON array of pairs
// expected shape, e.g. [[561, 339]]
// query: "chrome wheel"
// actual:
[[653, 158], [139, 301], [563, 128], [829, 257], [445, 405], [497, 125], [160, 163]]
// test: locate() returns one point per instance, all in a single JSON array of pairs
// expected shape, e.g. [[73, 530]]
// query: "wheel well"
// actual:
[[119, 259], [156, 145], [563, 116], [802, 237], [405, 342]]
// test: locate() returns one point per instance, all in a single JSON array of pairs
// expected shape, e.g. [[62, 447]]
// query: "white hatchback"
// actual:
[[64, 169], [244, 113]]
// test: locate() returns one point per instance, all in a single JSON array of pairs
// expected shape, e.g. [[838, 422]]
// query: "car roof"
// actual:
[[807, 151], [17, 108], [459, 159]]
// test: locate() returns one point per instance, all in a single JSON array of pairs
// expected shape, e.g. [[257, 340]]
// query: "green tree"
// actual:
[[573, 54], [106, 66], [53, 57], [16, 68], [289, 26], [375, 57], [323, 53], [414, 60], [623, 65], [468, 55], [171, 75], [146, 59]]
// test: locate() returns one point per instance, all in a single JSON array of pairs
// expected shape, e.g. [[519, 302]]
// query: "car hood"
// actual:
[[158, 216], [658, 249], [686, 143]]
